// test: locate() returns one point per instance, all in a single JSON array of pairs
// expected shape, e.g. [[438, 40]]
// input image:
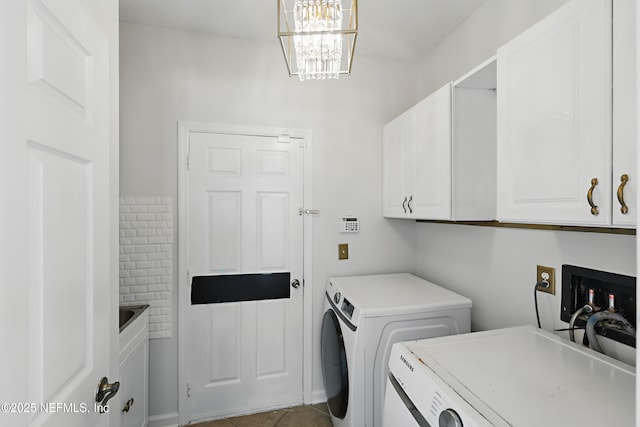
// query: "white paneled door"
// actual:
[[244, 193], [55, 215]]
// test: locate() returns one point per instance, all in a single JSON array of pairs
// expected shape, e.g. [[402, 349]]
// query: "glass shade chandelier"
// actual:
[[318, 37]]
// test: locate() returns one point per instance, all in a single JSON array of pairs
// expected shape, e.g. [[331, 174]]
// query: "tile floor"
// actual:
[[300, 416]]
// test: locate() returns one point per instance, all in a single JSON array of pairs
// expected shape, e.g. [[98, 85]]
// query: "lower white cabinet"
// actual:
[[134, 373]]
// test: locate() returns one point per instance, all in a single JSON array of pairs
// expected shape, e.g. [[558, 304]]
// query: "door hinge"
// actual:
[[188, 389], [284, 138]]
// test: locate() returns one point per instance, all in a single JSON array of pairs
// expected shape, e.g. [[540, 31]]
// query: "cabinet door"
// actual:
[[431, 183], [625, 121], [554, 118], [397, 157], [134, 379]]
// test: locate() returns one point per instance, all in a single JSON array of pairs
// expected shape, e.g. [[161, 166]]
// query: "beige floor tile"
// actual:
[[304, 416], [300, 416], [217, 423], [264, 419], [322, 407]]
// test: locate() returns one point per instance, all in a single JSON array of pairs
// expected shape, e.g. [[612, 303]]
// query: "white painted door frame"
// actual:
[[184, 129]]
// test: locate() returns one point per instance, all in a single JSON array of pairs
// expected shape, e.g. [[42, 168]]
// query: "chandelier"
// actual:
[[318, 37]]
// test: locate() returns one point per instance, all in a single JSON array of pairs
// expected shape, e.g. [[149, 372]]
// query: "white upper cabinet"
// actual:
[[625, 113], [432, 160], [397, 166], [416, 160], [555, 120], [439, 157]]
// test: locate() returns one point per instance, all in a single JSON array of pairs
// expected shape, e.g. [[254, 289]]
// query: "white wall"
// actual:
[[169, 75], [477, 38], [496, 267]]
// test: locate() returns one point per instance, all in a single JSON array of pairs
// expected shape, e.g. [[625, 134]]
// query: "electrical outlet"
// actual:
[[548, 275], [343, 251]]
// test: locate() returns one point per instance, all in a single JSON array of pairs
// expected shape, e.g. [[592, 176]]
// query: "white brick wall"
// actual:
[[146, 241]]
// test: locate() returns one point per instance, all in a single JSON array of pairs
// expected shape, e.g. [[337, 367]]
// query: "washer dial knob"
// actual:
[[449, 418], [336, 297]]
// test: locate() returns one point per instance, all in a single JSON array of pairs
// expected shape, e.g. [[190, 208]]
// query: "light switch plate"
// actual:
[[343, 251]]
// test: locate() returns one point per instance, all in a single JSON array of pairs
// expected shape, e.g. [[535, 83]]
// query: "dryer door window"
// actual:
[[334, 365]]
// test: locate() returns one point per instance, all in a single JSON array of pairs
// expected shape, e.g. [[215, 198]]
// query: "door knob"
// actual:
[[106, 391], [295, 283]]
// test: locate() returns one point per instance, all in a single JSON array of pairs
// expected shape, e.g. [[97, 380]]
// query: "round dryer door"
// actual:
[[334, 365]]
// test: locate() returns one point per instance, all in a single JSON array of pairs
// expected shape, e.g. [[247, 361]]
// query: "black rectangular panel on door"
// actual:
[[239, 287]]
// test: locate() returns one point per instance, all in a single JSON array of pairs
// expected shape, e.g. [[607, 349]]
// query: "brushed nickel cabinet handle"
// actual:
[[409, 204], [594, 209], [623, 206], [404, 203]]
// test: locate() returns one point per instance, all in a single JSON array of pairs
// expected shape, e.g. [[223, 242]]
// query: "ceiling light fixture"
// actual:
[[318, 37]]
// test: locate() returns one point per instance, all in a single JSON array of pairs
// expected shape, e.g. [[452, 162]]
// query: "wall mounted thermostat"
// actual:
[[349, 224]]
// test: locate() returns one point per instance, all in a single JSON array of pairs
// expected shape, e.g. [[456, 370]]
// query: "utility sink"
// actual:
[[128, 314]]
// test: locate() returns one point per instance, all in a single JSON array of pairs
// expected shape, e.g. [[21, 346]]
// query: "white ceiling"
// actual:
[[402, 30]]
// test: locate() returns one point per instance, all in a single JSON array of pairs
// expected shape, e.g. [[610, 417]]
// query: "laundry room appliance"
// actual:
[[522, 377], [363, 317]]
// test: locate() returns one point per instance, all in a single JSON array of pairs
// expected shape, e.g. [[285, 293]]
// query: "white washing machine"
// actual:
[[363, 317], [523, 377]]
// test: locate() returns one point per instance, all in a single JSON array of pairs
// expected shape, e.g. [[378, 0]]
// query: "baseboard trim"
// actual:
[[164, 420], [171, 419], [318, 396]]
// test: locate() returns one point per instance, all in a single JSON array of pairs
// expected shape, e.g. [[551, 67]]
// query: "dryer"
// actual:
[[520, 376], [363, 317]]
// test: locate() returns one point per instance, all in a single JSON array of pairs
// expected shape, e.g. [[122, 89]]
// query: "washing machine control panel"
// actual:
[[336, 298], [347, 308], [434, 399], [348, 311]]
